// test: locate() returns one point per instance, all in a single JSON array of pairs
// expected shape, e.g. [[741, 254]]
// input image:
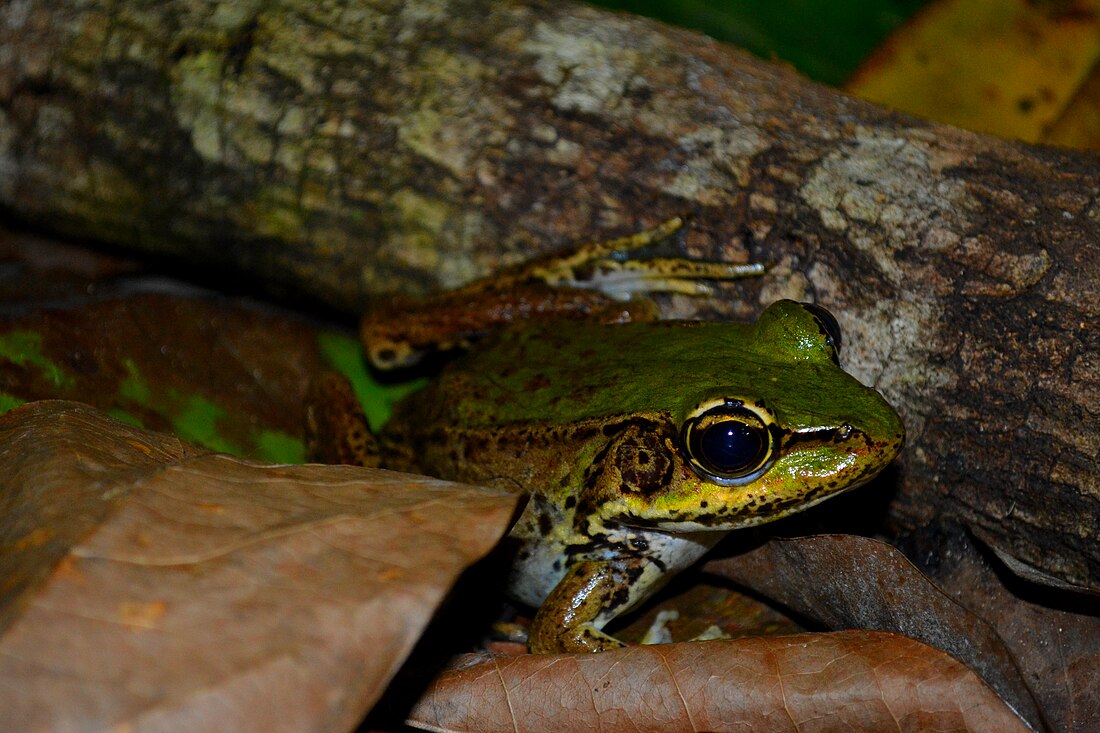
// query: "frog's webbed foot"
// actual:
[[565, 623], [600, 266], [336, 428]]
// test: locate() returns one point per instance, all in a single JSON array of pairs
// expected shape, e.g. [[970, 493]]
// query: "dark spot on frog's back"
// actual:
[[537, 382], [641, 423], [577, 433], [476, 442], [546, 524]]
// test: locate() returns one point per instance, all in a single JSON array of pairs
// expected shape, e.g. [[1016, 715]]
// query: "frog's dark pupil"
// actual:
[[730, 446]]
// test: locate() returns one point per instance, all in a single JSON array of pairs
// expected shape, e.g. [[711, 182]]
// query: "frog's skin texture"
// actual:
[[603, 427]]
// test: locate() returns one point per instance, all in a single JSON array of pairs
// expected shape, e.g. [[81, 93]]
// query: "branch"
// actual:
[[352, 149]]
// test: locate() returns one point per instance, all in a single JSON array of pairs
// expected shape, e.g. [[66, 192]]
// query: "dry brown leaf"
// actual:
[[850, 582], [1054, 636], [845, 681], [166, 590]]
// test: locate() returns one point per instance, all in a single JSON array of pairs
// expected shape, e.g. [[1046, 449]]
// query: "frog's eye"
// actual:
[[829, 326], [728, 443]]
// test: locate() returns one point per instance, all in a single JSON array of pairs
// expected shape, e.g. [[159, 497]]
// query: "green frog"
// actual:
[[640, 443]]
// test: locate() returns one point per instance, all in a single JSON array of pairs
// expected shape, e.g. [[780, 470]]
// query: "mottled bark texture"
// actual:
[[347, 149]]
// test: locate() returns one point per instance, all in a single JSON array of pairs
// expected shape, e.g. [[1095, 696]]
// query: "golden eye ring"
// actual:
[[728, 441]]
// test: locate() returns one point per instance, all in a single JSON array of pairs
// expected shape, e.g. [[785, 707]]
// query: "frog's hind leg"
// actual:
[[621, 280], [336, 427], [582, 254], [603, 267]]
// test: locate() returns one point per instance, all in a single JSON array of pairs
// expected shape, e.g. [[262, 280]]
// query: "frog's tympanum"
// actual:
[[641, 444]]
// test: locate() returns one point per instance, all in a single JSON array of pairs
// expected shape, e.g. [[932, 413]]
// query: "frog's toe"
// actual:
[[581, 639]]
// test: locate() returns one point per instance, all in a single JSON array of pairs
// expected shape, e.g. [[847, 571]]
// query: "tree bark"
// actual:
[[346, 150]]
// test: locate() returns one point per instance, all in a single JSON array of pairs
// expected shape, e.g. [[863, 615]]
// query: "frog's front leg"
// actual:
[[601, 584], [591, 593]]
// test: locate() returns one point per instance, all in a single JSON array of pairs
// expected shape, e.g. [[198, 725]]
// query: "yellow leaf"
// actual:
[[1007, 67]]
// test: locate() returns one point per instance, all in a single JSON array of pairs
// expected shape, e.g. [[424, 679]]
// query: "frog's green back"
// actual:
[[567, 372]]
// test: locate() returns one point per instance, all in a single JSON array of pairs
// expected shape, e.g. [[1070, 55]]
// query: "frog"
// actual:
[[639, 443]]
